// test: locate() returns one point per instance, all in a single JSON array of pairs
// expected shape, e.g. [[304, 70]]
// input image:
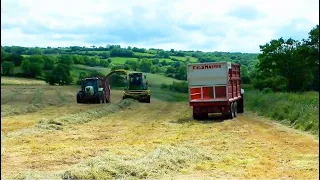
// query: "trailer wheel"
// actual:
[[240, 105], [230, 114], [235, 109], [200, 116], [196, 116]]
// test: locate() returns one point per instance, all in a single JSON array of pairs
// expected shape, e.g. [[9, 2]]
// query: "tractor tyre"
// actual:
[[98, 99], [103, 97], [148, 99], [79, 100]]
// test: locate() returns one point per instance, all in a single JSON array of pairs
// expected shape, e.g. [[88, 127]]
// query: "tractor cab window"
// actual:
[[89, 83]]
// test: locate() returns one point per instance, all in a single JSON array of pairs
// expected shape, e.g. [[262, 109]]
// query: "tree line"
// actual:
[[288, 64], [282, 65]]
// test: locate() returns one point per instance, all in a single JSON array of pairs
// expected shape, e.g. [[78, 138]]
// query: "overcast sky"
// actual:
[[212, 25]]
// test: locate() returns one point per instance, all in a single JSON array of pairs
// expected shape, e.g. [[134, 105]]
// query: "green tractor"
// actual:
[[137, 87], [93, 90]]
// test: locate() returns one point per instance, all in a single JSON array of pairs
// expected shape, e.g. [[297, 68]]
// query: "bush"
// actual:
[[60, 75], [164, 86], [179, 87], [267, 90], [7, 68]]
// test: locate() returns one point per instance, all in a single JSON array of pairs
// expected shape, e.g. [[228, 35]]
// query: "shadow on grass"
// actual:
[[215, 118]]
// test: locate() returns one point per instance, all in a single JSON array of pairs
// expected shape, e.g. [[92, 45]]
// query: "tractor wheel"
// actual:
[[98, 99], [148, 99], [79, 100], [103, 97]]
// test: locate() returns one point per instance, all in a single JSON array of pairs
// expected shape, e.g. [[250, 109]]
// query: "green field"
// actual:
[[165, 59], [192, 59], [121, 60]]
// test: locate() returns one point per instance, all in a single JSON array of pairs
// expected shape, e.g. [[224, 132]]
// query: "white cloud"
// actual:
[[181, 24]]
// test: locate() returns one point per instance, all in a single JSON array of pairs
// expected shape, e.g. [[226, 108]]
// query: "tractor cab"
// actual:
[[136, 81], [92, 90], [90, 86]]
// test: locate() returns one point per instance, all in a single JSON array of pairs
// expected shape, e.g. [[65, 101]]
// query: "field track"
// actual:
[[137, 140]]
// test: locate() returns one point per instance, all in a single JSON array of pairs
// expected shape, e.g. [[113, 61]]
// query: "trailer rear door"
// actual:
[[208, 81]]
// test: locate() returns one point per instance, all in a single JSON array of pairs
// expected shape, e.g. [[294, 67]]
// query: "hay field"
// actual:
[[59, 139]]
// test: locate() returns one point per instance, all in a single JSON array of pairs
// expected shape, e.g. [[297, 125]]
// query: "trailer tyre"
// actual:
[[230, 114], [235, 109], [240, 105], [199, 116], [196, 116]]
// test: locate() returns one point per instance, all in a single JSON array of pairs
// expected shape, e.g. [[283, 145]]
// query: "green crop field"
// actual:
[[121, 60], [143, 54], [192, 59]]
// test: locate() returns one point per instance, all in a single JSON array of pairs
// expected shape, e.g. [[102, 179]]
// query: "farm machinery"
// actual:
[[137, 87], [94, 90], [97, 89]]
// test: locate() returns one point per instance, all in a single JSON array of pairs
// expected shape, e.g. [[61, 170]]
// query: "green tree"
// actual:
[[145, 65], [31, 69], [65, 59], [105, 55], [170, 71], [182, 72], [155, 69], [60, 75], [94, 61], [134, 65], [7, 68], [289, 62], [3, 54], [37, 59], [48, 62], [104, 63], [15, 58]]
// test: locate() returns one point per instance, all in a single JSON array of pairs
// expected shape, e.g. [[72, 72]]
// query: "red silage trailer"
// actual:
[[215, 88]]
